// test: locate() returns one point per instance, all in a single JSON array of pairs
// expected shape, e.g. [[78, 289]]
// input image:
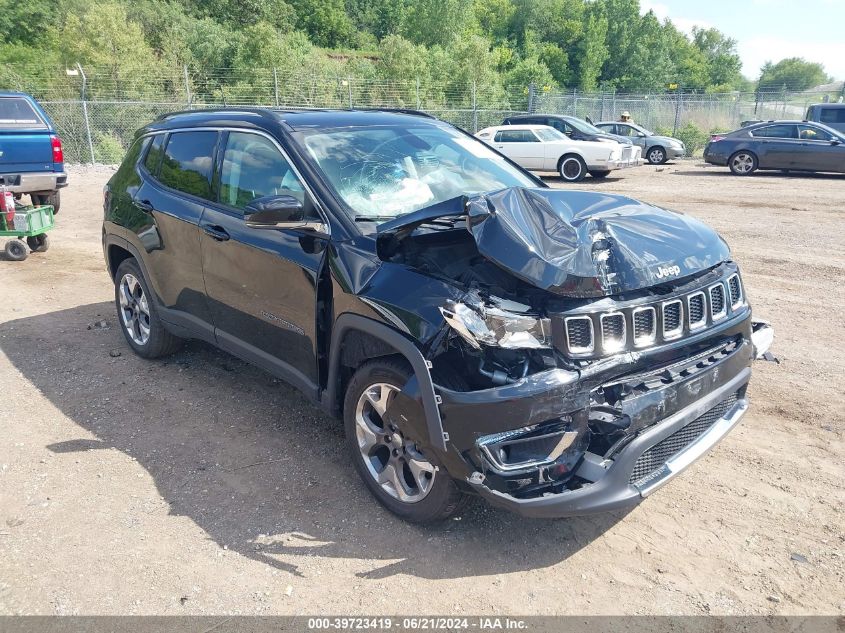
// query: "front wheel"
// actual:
[[743, 163], [399, 474], [599, 174], [656, 156], [572, 168], [138, 315], [16, 250]]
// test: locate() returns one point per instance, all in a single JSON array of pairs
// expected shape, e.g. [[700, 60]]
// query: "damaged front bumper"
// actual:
[[608, 483], [676, 413]]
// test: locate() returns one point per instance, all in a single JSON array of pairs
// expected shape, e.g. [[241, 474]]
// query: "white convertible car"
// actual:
[[543, 148]]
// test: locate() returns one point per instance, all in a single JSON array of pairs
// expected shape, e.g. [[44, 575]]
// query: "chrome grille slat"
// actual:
[[718, 307], [579, 334], [673, 319], [697, 310], [735, 288], [597, 334], [645, 326], [612, 331]]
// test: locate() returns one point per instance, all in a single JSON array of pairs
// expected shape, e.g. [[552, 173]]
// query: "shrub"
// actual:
[[108, 148]]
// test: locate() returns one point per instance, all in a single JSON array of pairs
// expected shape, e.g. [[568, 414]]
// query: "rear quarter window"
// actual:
[[188, 162], [18, 113]]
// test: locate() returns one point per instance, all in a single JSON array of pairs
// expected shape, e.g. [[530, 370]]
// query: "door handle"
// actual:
[[216, 232], [144, 205]]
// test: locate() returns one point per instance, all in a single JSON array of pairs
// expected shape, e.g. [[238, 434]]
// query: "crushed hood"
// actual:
[[585, 244], [579, 243]]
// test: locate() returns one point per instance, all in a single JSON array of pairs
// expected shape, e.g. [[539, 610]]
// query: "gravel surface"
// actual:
[[198, 484]]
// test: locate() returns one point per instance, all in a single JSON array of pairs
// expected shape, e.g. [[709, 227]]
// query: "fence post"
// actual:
[[474, 109], [677, 112], [531, 96], [85, 112], [613, 113], [349, 90], [187, 87], [418, 94], [275, 87], [575, 102]]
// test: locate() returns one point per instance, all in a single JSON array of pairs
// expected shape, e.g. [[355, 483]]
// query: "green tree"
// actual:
[[793, 73], [325, 21], [724, 67], [103, 37], [591, 51], [431, 22]]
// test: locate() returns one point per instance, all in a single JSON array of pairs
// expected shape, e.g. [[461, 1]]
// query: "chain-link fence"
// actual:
[[97, 111]]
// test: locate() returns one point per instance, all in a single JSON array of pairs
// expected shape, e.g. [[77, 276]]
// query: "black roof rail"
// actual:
[[398, 111]]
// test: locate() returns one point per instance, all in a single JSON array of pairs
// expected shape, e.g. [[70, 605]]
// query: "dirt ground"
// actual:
[[200, 485]]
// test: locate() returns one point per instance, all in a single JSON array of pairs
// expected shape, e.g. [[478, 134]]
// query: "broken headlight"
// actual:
[[498, 323]]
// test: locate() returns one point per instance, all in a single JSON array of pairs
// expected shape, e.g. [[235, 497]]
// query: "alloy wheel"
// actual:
[[393, 461], [656, 156], [742, 163], [134, 309]]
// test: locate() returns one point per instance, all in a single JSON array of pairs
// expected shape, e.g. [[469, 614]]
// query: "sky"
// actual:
[[767, 30]]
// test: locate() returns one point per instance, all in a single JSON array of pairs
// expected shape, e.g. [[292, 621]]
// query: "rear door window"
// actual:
[[188, 162], [775, 131]]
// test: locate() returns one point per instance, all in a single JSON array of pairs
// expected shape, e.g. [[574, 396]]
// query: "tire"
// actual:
[[384, 457], [16, 250], [743, 163], [39, 243], [54, 199], [138, 314], [656, 155], [572, 168], [599, 174]]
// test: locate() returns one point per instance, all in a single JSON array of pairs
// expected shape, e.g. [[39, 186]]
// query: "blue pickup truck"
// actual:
[[31, 157]]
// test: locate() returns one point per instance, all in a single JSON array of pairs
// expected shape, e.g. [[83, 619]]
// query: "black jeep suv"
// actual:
[[556, 352]]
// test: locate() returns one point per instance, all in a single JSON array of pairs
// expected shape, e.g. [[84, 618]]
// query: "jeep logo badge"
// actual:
[[668, 271]]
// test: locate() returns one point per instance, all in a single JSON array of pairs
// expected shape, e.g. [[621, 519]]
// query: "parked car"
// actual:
[[656, 149], [573, 127], [555, 352], [831, 114], [783, 145], [543, 148], [31, 156]]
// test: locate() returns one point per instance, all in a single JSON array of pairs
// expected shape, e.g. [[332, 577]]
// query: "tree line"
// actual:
[[587, 45]]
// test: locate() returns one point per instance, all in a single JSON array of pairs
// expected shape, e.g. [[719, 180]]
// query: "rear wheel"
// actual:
[[572, 168], [403, 478], [53, 199], [16, 250], [743, 163], [656, 155], [138, 315]]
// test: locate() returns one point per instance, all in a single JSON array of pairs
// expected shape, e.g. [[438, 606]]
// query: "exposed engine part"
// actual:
[[499, 376]]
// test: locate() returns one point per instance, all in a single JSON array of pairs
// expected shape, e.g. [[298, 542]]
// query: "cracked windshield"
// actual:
[[385, 172]]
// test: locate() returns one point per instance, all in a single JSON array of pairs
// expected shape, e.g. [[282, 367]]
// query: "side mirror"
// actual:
[[279, 212], [835, 141], [640, 134]]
